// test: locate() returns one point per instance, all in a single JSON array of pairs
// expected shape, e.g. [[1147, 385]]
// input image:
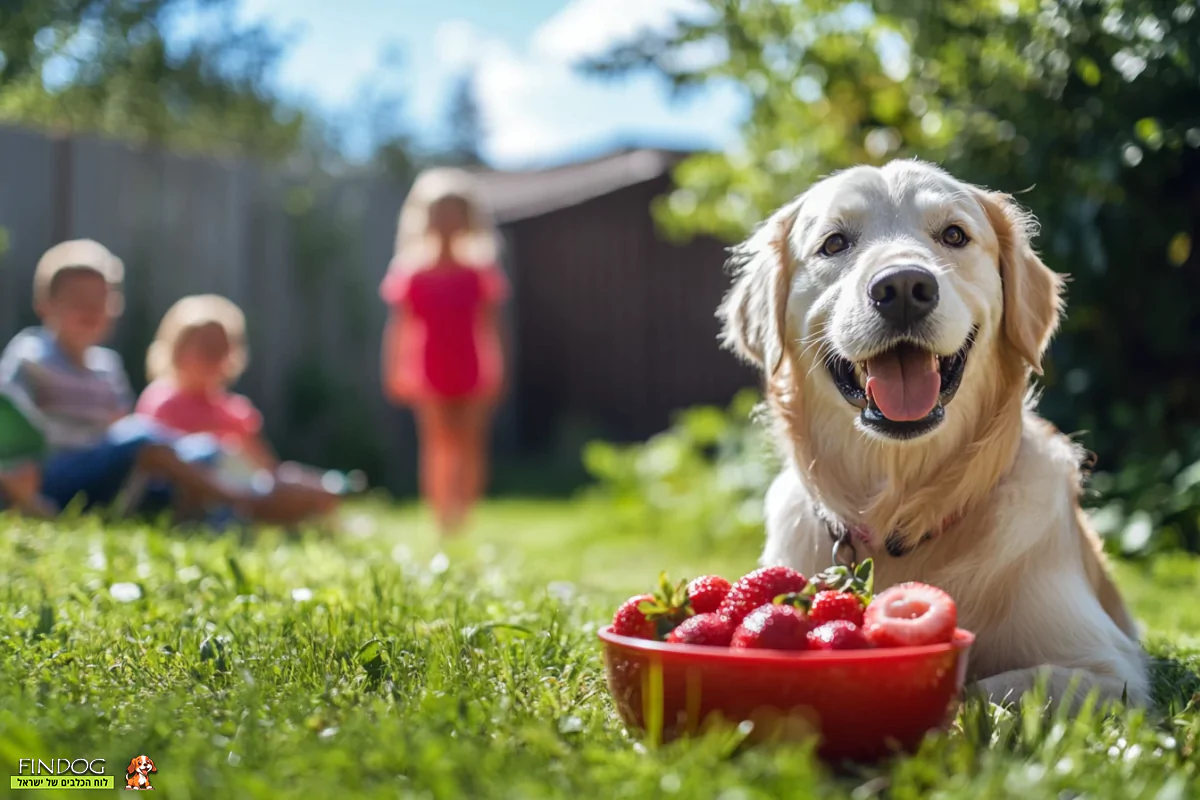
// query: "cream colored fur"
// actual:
[[1021, 561]]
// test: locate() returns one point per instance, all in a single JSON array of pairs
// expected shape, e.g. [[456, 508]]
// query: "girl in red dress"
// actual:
[[441, 349]]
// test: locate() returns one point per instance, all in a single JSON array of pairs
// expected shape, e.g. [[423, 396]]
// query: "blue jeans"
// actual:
[[101, 471]]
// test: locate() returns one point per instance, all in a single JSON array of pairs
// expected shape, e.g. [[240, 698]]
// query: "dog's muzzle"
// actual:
[[902, 390]]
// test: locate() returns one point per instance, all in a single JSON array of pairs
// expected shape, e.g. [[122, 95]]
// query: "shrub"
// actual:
[[710, 470]]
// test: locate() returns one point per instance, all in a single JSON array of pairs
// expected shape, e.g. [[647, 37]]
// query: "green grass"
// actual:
[[371, 666]]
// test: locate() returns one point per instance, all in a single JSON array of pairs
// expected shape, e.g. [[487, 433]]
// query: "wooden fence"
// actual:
[[302, 258]]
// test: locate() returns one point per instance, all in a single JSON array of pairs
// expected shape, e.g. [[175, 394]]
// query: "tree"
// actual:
[[1091, 105], [382, 110], [108, 66], [464, 125]]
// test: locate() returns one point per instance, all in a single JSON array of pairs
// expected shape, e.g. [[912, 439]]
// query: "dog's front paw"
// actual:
[[1060, 685]]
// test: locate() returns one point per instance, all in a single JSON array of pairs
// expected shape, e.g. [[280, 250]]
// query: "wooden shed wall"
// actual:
[[615, 325]]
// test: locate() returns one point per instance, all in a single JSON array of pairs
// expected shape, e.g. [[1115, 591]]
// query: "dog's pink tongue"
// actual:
[[904, 382]]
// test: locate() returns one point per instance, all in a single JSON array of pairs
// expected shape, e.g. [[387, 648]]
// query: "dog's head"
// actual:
[[140, 765], [875, 293]]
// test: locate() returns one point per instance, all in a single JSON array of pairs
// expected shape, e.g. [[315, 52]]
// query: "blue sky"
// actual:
[[536, 108]]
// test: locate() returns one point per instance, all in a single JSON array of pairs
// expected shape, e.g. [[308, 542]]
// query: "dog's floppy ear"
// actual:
[[152, 767], [132, 768], [754, 312], [1032, 291]]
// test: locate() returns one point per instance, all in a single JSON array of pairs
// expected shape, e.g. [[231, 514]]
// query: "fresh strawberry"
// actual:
[[910, 615], [707, 592], [760, 588], [828, 606], [837, 635], [773, 627], [653, 616], [630, 620], [709, 629]]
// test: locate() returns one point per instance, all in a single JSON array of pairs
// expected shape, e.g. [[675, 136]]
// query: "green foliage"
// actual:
[[370, 665], [1091, 105], [1148, 506], [109, 67], [706, 474]]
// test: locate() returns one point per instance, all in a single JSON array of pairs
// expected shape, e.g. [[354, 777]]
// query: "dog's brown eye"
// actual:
[[954, 236], [835, 244]]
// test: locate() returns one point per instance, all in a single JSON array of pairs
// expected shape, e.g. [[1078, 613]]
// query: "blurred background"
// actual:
[[262, 148]]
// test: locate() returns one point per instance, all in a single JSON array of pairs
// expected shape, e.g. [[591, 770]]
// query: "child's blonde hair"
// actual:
[[415, 249], [76, 255], [189, 315]]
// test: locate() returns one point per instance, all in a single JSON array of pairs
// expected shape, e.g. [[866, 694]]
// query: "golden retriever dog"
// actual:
[[896, 314]]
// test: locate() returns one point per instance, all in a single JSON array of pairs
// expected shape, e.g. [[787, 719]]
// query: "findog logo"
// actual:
[[137, 774], [61, 773]]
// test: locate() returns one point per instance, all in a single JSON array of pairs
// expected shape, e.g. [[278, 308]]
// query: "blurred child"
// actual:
[[80, 394], [199, 351], [441, 350]]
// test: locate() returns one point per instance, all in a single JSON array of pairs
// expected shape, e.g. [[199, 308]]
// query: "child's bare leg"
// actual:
[[426, 476], [479, 421], [300, 474], [458, 466], [23, 488], [287, 504], [311, 480], [436, 435], [290, 504], [194, 484]]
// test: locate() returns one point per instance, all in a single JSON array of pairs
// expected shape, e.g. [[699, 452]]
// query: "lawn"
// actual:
[[377, 664]]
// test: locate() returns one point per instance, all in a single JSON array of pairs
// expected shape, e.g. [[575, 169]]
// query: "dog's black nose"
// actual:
[[903, 295]]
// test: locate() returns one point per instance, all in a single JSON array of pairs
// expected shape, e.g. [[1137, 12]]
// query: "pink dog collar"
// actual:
[[860, 535]]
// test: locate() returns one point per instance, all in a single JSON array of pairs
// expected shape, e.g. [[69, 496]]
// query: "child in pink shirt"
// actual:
[[198, 352]]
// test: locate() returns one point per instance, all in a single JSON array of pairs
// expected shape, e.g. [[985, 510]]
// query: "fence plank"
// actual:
[[27, 175]]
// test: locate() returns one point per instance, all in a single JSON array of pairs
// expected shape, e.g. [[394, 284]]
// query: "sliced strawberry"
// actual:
[[837, 635], [630, 620], [707, 592], [706, 629], [773, 627], [910, 615], [760, 588], [829, 606]]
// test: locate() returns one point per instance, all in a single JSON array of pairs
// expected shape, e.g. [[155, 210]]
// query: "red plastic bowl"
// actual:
[[863, 704]]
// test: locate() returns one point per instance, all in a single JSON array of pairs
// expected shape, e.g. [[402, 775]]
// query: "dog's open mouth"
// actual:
[[902, 391]]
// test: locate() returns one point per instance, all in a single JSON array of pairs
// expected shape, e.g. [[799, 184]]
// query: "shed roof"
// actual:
[[521, 194]]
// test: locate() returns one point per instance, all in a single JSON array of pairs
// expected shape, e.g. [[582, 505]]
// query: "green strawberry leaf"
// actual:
[[670, 606], [866, 572], [800, 600], [865, 578], [649, 607], [858, 581]]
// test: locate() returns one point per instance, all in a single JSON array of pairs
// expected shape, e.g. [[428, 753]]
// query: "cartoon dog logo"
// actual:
[[137, 774]]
